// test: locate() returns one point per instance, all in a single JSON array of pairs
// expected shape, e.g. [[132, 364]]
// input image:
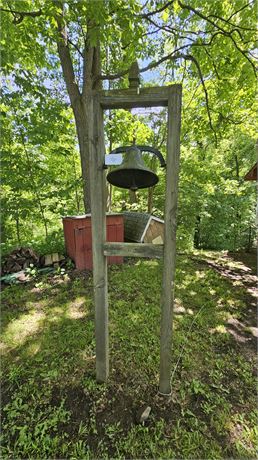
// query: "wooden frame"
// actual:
[[169, 96]]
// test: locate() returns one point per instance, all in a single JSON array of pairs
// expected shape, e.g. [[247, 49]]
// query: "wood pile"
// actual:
[[20, 259]]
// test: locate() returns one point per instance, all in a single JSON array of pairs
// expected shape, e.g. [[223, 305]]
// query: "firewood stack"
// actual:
[[19, 259]]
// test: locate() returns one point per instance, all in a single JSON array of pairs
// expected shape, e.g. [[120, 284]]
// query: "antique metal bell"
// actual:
[[133, 172]]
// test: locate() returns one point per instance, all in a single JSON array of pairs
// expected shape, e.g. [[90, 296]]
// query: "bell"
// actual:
[[133, 172]]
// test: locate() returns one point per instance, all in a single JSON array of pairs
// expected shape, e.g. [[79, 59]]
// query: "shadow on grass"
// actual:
[[43, 296], [242, 287], [247, 259], [212, 376]]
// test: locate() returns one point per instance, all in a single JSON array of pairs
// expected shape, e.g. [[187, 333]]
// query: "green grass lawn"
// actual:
[[52, 406]]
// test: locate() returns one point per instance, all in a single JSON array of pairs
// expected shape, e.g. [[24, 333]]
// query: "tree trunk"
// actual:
[[132, 196], [79, 99], [197, 232], [250, 240], [237, 167], [82, 131], [17, 224], [77, 198], [237, 227], [153, 167], [150, 199]]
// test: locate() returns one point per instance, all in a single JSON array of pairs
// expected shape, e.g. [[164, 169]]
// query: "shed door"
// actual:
[[83, 249]]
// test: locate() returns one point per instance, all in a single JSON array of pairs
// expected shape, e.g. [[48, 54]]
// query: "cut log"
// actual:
[[52, 259]]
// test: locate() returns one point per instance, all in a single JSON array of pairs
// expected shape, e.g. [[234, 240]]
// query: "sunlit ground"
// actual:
[[52, 405]]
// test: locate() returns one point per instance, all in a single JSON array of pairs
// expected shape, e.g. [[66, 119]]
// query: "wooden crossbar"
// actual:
[[133, 250], [140, 97]]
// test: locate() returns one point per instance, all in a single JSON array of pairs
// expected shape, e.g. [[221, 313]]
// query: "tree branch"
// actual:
[[188, 57], [193, 95], [229, 119], [194, 60], [20, 15], [214, 24], [66, 60], [75, 46], [88, 54], [151, 13], [238, 11], [227, 21], [166, 28], [213, 63], [230, 23], [201, 15], [157, 63], [220, 31], [244, 53], [174, 30]]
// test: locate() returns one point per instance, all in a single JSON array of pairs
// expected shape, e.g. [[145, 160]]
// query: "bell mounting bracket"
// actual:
[[142, 148]]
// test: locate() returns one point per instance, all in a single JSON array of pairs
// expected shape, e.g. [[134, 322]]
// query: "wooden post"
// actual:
[[168, 283], [134, 76], [98, 222]]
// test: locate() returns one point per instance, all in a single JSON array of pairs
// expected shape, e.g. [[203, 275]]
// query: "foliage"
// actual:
[[52, 405], [40, 166], [216, 206], [207, 47]]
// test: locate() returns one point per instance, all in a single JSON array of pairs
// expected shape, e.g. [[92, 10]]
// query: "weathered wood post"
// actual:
[[98, 230], [134, 76], [168, 283]]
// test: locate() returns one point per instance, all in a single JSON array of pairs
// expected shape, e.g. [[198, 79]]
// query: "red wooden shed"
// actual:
[[78, 241]]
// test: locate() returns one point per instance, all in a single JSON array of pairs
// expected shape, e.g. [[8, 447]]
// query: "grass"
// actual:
[[52, 405]]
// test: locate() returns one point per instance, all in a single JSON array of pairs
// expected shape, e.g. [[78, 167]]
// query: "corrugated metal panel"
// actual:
[[134, 225], [138, 227]]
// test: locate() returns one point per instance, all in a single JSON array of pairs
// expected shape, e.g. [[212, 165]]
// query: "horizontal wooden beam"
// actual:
[[137, 97], [154, 251]]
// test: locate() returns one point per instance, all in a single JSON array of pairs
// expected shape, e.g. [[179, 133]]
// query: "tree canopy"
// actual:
[[55, 53]]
